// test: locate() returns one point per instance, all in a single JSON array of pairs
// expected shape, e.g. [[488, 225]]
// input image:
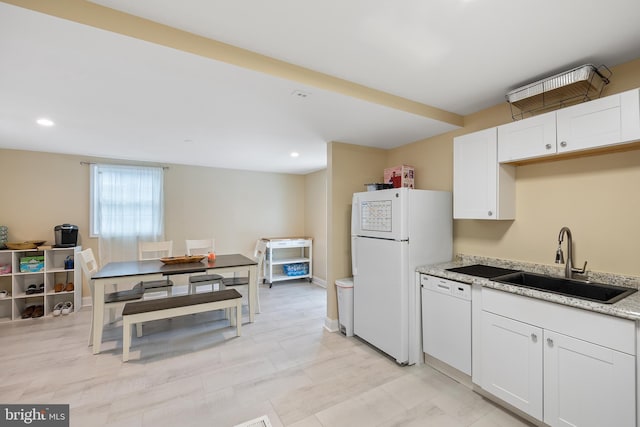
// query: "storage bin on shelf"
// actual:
[[295, 269], [32, 264]]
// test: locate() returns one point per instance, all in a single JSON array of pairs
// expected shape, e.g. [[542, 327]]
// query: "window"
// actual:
[[126, 201]]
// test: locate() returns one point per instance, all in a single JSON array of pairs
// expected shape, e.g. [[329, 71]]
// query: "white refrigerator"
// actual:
[[392, 233]]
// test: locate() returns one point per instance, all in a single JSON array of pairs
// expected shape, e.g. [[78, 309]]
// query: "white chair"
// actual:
[[156, 250], [203, 247], [112, 301], [258, 255]]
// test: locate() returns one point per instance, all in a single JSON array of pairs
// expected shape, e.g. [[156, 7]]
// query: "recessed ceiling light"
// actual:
[[294, 154], [45, 122]]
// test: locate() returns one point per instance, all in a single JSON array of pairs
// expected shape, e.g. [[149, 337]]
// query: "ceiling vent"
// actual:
[[258, 422], [300, 94]]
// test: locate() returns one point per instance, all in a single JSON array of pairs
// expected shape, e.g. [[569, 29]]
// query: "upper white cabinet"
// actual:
[[482, 188], [599, 123], [527, 139], [630, 115], [484, 182], [591, 124]]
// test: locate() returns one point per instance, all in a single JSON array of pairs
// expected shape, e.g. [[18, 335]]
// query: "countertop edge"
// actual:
[[627, 308]]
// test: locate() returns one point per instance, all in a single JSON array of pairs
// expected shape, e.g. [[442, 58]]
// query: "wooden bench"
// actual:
[[164, 308]]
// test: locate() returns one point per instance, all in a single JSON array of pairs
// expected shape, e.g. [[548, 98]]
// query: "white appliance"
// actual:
[[393, 232], [446, 321]]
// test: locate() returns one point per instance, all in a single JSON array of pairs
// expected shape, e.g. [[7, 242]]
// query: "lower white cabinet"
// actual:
[[586, 384], [586, 380], [512, 362]]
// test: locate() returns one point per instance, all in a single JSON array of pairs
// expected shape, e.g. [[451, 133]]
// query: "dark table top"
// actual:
[[138, 268]]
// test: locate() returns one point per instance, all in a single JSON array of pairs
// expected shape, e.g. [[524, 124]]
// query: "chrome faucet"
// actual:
[[569, 270]]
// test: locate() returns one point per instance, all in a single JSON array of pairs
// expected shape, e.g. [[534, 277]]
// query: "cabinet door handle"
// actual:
[[563, 144], [490, 213], [549, 342], [548, 146], [534, 338]]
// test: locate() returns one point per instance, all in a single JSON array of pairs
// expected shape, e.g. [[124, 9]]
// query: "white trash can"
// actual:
[[345, 305]]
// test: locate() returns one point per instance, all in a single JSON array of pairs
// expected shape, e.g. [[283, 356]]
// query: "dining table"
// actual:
[[155, 269]]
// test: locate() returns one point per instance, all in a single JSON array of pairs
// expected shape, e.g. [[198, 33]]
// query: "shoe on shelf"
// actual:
[[38, 311], [28, 311], [3, 294], [58, 287], [67, 308], [69, 287], [40, 289], [31, 289], [57, 309]]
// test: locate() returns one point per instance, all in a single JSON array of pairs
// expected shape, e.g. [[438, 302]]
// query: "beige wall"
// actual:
[[315, 220], [40, 191], [235, 207], [349, 167]]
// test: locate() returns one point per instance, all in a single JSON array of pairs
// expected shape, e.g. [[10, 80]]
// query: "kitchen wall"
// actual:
[[349, 167], [315, 221], [235, 207], [594, 196]]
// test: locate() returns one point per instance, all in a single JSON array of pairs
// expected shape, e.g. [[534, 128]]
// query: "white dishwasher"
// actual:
[[446, 321]]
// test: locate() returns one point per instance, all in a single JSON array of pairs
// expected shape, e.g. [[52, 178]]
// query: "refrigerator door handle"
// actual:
[[354, 266]]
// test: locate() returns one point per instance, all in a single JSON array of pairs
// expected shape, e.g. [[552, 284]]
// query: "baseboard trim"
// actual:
[[449, 371], [331, 325], [320, 282], [86, 302]]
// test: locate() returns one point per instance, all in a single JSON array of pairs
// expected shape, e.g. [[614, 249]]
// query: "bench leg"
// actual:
[[126, 338], [238, 317]]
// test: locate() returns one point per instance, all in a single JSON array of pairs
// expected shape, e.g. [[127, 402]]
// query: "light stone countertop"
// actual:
[[627, 308]]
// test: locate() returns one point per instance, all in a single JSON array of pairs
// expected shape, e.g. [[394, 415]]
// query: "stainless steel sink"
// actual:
[[599, 292]]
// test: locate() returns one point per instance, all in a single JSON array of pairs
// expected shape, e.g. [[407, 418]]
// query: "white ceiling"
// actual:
[[119, 97]]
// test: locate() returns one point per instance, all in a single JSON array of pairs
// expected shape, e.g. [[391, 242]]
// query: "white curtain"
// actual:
[[128, 207]]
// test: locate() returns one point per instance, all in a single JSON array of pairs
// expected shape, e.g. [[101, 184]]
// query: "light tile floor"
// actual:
[[192, 371]]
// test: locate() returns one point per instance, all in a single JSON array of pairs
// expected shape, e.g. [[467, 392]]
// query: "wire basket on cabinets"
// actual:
[[579, 84]]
